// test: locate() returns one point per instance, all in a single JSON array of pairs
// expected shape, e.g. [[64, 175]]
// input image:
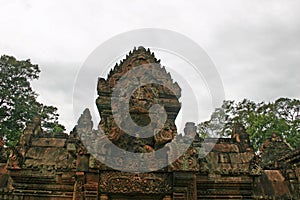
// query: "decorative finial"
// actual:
[[141, 48]]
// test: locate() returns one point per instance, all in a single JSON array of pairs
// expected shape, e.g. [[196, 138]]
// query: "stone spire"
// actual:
[[141, 100]]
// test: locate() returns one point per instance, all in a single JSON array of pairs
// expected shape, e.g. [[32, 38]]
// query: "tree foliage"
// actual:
[[260, 120], [18, 103]]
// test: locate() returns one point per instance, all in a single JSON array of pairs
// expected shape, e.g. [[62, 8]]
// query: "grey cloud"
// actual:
[[259, 58], [255, 44]]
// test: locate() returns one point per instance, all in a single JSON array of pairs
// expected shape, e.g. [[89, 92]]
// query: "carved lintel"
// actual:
[[149, 183]]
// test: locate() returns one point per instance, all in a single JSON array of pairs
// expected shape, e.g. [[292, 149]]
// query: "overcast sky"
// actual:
[[254, 44]]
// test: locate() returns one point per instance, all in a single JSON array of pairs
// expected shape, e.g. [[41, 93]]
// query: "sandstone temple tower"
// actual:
[[62, 166], [140, 101]]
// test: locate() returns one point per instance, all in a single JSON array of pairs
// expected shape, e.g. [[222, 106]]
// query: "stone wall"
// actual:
[[59, 167]]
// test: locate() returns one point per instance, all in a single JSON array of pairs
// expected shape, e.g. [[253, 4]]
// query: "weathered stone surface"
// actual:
[[149, 183], [140, 102], [48, 142], [188, 160], [272, 150], [226, 148], [46, 166], [278, 174]]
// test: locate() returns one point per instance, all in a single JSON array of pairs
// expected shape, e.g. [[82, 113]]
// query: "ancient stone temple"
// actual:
[[80, 165]]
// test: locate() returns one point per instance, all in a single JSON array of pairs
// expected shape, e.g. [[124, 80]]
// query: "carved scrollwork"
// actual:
[[121, 182]]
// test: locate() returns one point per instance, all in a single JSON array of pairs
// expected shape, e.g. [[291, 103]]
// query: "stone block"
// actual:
[[48, 142]]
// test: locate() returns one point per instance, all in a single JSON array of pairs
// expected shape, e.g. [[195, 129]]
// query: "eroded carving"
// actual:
[[121, 182]]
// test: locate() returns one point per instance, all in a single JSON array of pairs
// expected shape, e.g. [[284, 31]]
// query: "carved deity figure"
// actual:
[[241, 137]]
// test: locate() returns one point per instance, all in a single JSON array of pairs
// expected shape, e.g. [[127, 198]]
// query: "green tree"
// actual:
[[260, 120], [18, 103]]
